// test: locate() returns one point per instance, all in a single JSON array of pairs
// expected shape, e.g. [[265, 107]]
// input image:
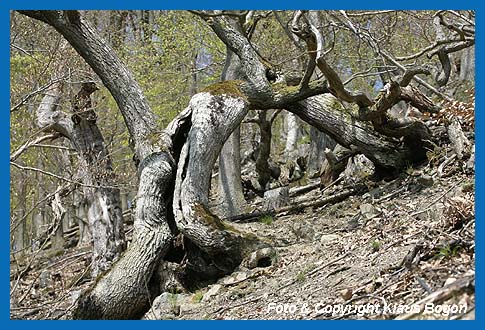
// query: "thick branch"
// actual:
[[410, 73], [327, 114]]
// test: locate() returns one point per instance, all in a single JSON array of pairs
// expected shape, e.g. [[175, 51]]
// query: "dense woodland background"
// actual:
[[174, 55]]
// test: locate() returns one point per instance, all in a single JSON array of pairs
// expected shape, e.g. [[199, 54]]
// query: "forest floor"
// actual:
[[404, 249]]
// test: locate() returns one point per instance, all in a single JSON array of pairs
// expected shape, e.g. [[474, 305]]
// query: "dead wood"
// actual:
[[338, 197]]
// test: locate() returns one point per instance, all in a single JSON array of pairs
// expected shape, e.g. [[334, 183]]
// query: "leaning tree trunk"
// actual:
[[123, 292], [214, 117], [328, 115]]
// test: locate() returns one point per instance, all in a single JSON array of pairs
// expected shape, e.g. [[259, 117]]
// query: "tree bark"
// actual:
[[214, 118], [467, 64], [328, 115], [230, 175], [334, 164], [318, 143], [292, 135], [122, 293], [230, 158], [102, 199], [127, 290]]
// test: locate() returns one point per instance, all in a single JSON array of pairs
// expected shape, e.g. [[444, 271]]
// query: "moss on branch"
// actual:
[[229, 87]]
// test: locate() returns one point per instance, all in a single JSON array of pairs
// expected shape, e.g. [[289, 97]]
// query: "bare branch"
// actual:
[[457, 14], [368, 73], [219, 13], [370, 13], [427, 49], [374, 45], [139, 119], [59, 177], [410, 73], [290, 35], [32, 143], [37, 91], [307, 30], [251, 61]]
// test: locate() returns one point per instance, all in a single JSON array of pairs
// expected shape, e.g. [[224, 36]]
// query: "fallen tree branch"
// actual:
[[444, 164], [303, 189], [250, 217]]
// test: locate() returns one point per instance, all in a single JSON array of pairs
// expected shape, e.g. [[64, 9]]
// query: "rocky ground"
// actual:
[[408, 243], [403, 249]]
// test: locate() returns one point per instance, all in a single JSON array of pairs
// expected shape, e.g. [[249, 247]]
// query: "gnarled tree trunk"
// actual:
[[96, 172]]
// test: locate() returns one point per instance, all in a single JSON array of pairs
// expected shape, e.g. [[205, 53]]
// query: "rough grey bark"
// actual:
[[122, 292], [293, 126], [139, 119], [327, 114], [276, 198], [334, 164], [292, 135], [230, 175], [126, 291], [214, 117], [230, 185], [467, 64], [461, 144]]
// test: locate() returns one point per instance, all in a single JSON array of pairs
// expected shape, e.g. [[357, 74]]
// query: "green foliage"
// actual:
[[164, 64], [197, 296], [447, 251], [300, 277], [376, 245], [266, 219]]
